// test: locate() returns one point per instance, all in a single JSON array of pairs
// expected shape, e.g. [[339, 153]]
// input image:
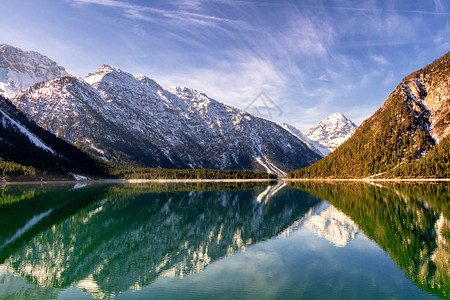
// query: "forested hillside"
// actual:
[[28, 152], [407, 137]]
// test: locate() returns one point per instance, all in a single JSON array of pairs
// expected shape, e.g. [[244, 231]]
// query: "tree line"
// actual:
[[159, 173]]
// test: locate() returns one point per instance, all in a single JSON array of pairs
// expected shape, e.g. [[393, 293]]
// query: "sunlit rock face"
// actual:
[[408, 137]]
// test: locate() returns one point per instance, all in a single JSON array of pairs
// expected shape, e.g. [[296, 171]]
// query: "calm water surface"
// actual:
[[225, 241]]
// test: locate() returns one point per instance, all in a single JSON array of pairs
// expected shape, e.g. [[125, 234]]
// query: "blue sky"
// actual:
[[311, 58]]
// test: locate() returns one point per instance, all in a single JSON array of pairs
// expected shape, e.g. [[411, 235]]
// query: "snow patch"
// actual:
[[94, 78], [313, 145], [78, 177], [33, 139], [97, 149], [269, 166]]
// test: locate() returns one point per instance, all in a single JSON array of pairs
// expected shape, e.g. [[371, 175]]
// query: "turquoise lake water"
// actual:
[[225, 241]]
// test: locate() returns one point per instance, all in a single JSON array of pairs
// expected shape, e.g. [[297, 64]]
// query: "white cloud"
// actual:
[[301, 35], [324, 77], [236, 83], [379, 59], [348, 7]]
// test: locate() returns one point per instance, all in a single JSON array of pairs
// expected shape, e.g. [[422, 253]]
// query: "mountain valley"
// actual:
[[132, 122]]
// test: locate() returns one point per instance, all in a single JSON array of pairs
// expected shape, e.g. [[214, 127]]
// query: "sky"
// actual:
[[304, 59]]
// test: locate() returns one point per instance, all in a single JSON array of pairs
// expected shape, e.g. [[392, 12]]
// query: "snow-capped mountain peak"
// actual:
[[335, 121], [20, 69], [112, 112], [336, 115], [332, 131], [109, 75], [98, 75]]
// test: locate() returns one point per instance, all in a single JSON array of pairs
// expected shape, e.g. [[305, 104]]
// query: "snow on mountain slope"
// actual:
[[8, 121], [332, 131], [21, 69], [132, 120], [313, 145], [24, 143]]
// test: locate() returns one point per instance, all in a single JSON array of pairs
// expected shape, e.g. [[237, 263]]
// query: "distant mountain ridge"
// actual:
[[326, 135], [131, 120], [408, 137], [332, 131], [313, 145]]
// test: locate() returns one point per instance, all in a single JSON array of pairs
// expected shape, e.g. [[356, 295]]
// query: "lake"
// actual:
[[305, 240]]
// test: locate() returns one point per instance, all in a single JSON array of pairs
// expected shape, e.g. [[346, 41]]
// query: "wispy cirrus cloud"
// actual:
[[237, 83], [151, 14], [320, 57], [439, 9]]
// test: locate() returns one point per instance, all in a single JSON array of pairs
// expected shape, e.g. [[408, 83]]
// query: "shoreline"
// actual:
[[370, 179], [139, 181], [111, 181]]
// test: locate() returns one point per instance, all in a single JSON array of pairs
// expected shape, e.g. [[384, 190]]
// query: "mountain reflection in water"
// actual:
[[107, 239], [104, 240], [409, 221]]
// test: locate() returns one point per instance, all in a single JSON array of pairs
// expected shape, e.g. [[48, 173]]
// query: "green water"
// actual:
[[225, 241]]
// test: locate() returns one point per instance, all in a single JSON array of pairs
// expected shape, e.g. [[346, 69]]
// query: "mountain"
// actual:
[[326, 135], [407, 137], [313, 145], [131, 120], [21, 69], [30, 152], [331, 131]]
